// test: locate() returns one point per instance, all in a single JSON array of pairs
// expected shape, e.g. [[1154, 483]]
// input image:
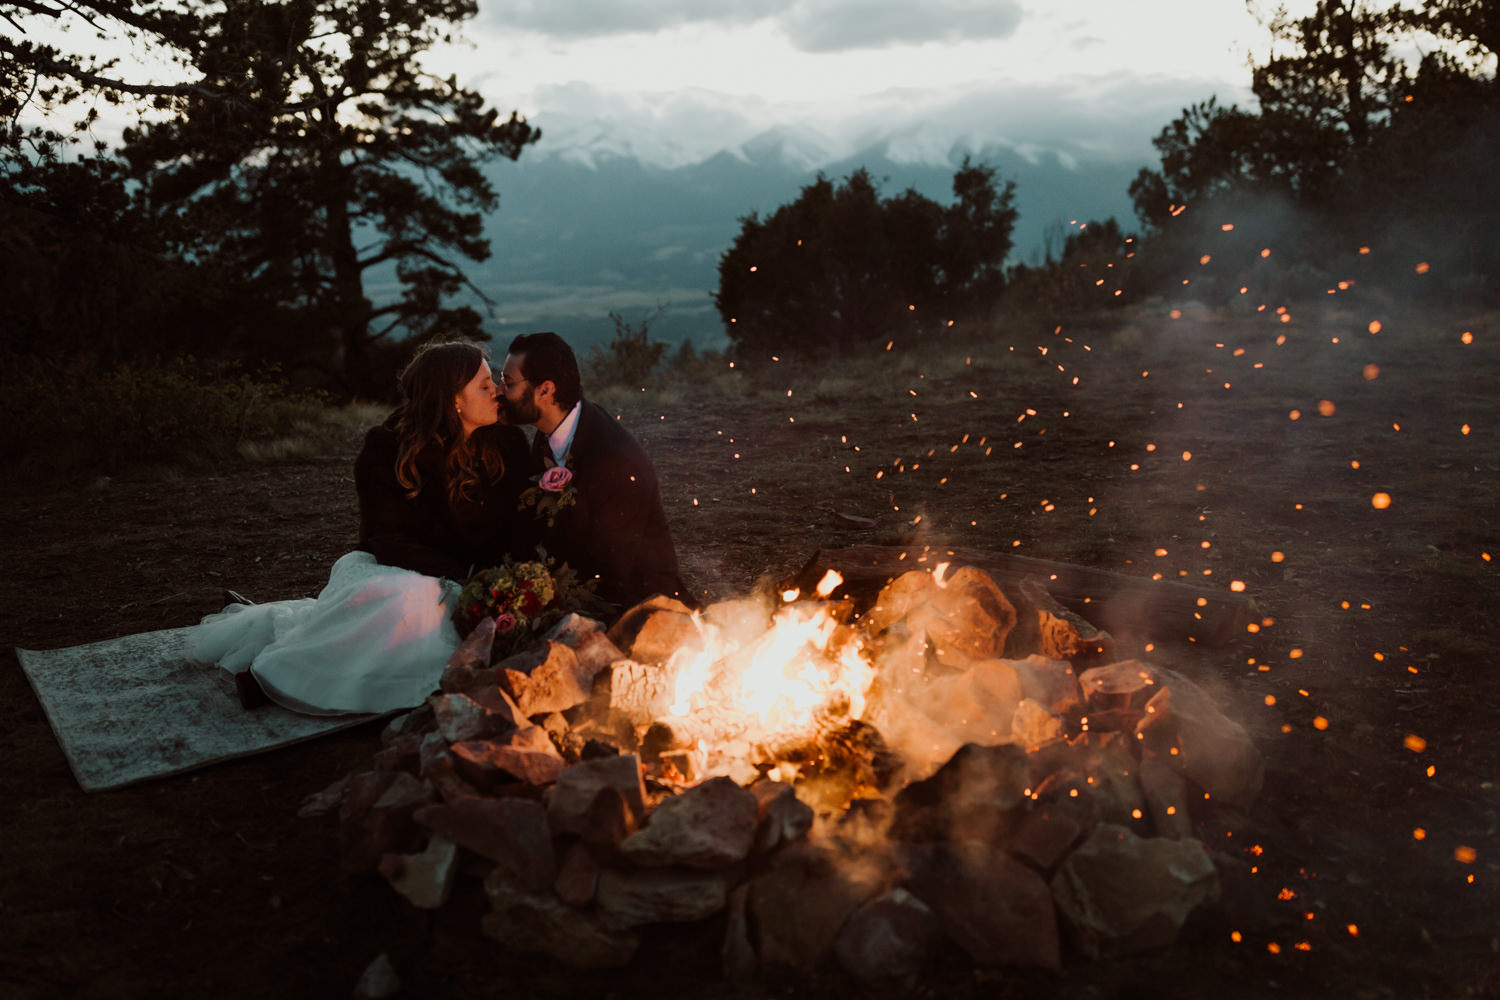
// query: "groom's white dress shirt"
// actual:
[[561, 438]]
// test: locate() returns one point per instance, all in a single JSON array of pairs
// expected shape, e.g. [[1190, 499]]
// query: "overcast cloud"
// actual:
[[810, 25]]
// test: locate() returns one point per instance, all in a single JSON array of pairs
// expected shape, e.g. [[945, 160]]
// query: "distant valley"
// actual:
[[587, 226]]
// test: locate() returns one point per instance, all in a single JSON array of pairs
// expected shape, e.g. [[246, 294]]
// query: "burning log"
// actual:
[[1125, 605]]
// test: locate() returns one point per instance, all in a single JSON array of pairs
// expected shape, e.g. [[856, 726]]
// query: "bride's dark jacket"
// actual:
[[427, 533]]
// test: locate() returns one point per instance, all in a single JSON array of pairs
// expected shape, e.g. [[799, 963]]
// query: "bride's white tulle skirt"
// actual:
[[374, 640]]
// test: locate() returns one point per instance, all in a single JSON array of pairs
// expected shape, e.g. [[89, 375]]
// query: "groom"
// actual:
[[614, 527]]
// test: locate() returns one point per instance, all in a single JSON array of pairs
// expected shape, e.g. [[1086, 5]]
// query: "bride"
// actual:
[[439, 486]]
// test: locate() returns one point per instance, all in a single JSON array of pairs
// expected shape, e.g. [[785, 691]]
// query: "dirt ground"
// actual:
[[1177, 438]]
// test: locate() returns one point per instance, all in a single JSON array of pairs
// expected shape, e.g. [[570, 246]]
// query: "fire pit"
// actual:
[[829, 775]]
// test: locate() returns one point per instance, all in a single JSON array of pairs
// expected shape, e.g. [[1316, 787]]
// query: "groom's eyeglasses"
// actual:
[[508, 382]]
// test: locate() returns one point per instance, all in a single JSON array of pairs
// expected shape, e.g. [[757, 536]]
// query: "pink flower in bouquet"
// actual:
[[504, 622], [556, 479]]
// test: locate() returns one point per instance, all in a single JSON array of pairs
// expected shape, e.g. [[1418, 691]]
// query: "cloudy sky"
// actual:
[[688, 77]]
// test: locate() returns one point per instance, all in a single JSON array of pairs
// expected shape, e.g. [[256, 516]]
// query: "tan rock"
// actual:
[[424, 880]]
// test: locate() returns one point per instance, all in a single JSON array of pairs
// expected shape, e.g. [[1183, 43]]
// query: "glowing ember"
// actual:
[[829, 583]]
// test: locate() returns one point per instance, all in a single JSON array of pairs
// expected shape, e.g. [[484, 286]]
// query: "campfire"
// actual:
[[829, 773]]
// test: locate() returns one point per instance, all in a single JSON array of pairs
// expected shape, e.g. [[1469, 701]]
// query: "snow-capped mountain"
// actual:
[[594, 219]]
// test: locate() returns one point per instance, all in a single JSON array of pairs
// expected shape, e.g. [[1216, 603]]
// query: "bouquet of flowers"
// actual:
[[524, 598]]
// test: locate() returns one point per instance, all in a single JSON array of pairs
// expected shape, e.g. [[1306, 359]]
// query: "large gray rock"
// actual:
[[1185, 729], [571, 799], [540, 924], [979, 794], [710, 825], [588, 641], [887, 939], [782, 817], [511, 832], [805, 894], [996, 909], [627, 898], [1121, 893]]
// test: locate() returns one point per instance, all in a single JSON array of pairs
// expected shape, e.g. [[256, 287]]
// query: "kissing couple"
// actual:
[[448, 485]]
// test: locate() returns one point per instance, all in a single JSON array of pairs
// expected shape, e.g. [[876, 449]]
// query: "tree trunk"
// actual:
[[350, 307]]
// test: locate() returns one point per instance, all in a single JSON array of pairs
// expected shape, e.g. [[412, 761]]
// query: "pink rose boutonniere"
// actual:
[[554, 490]]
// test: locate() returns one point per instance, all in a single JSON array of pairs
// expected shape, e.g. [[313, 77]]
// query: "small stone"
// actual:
[[577, 877], [402, 753], [450, 787], [888, 938], [491, 765], [570, 800], [474, 652], [326, 801], [1121, 893], [1122, 688], [995, 908], [1032, 725], [637, 897], [511, 832], [379, 980], [541, 925], [424, 880], [710, 825], [475, 716], [588, 641], [782, 817]]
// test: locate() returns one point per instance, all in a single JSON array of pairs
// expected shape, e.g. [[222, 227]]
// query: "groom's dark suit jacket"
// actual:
[[616, 530]]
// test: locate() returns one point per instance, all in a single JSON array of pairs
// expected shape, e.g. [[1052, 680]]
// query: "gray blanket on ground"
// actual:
[[134, 708]]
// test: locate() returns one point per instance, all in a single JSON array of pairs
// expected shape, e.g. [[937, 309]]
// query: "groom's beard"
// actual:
[[521, 411]]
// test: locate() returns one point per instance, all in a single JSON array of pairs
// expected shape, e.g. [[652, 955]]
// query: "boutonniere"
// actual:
[[554, 490]]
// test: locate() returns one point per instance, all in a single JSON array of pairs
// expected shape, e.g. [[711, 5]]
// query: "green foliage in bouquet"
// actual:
[[524, 598]]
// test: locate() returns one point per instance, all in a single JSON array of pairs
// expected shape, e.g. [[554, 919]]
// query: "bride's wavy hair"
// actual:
[[427, 420]]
